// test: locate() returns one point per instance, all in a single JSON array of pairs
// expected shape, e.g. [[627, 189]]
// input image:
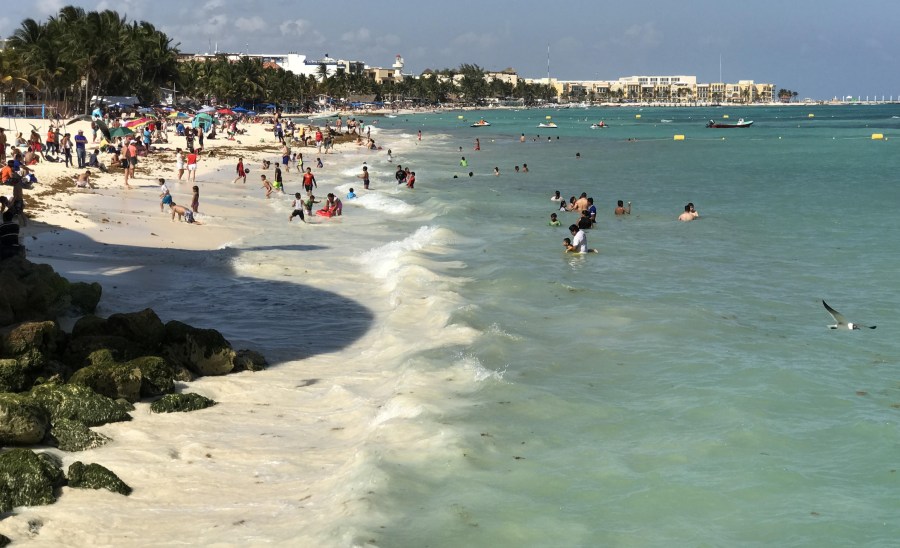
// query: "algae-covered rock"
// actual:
[[94, 476], [69, 435], [12, 376], [31, 343], [22, 420], [85, 296], [113, 380], [157, 375], [175, 403], [249, 360], [144, 326], [79, 403], [28, 479], [31, 292], [203, 351]]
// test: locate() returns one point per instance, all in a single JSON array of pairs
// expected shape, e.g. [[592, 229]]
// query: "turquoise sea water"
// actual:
[[444, 375], [679, 388]]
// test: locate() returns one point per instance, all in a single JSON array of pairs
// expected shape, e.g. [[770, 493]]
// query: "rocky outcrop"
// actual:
[[202, 351], [69, 435], [23, 421], [36, 292], [79, 403], [54, 386], [28, 478], [179, 403], [249, 360], [94, 476]]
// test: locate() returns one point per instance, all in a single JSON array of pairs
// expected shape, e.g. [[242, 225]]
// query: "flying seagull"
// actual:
[[842, 322]]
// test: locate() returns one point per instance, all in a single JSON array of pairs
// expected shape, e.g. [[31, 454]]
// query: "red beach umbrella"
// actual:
[[225, 111], [138, 122]]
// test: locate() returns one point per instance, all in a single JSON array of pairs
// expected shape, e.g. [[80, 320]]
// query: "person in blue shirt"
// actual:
[[147, 139], [80, 150], [592, 210], [351, 194]]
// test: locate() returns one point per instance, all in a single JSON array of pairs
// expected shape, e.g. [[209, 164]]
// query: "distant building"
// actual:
[[291, 62], [678, 89]]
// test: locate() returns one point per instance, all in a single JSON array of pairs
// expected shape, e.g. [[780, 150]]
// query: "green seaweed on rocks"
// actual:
[[176, 403], [79, 403], [94, 476], [69, 435], [28, 479], [22, 420]]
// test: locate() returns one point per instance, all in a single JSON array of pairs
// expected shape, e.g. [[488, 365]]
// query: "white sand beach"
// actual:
[[275, 460]]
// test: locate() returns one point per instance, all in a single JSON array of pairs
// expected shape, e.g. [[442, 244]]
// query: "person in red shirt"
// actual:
[[7, 172], [309, 180], [241, 172], [192, 159]]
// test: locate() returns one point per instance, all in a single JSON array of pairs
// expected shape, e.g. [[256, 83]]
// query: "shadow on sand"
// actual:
[[281, 319]]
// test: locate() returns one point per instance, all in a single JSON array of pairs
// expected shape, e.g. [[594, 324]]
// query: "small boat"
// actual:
[[390, 115], [481, 123], [725, 125], [547, 125], [599, 125]]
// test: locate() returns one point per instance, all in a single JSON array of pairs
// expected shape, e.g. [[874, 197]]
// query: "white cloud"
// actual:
[[250, 24], [302, 30], [47, 7], [644, 35]]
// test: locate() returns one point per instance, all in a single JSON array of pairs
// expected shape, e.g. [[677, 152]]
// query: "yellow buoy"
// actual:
[[637, 115], [724, 116], [878, 136], [679, 137], [548, 117], [811, 115]]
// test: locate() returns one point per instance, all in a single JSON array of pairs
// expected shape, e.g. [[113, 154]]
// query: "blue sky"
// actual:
[[821, 48]]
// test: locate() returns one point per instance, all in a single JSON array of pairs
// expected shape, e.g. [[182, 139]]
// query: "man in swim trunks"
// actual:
[[183, 213], [298, 205], [309, 180], [400, 175], [286, 157], [365, 177], [687, 215]]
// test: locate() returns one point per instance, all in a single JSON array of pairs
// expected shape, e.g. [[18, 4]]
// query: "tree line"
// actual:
[[78, 54]]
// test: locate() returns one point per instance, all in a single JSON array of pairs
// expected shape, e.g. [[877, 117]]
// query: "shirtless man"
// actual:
[[687, 215], [183, 213], [84, 180], [581, 203], [621, 209]]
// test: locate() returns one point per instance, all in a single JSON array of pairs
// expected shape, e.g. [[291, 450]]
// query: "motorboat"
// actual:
[[548, 125], [599, 125], [726, 125], [481, 123]]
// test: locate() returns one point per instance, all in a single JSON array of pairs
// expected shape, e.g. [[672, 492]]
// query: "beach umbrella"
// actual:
[[145, 110], [80, 118], [251, 113], [239, 109], [138, 122], [179, 115], [104, 129], [117, 132], [207, 109], [225, 111]]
